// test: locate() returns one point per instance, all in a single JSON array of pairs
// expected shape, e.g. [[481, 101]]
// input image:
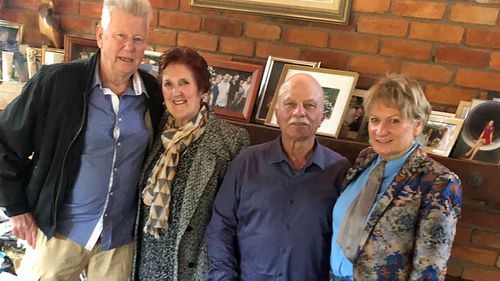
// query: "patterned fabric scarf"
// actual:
[[156, 194]]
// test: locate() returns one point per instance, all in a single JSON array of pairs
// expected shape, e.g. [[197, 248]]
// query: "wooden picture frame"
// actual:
[[337, 87], [463, 109], [10, 30], [353, 118], [150, 62], [270, 79], [78, 48], [52, 55], [440, 134], [233, 102], [333, 11]]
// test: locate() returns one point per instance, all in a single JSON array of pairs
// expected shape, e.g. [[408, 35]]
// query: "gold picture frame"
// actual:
[[463, 109], [440, 134], [333, 11], [52, 55]]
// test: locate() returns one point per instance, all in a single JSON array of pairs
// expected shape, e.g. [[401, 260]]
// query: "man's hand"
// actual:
[[24, 227]]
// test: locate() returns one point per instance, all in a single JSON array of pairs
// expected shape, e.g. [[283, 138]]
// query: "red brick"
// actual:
[[78, 24], [14, 15], [449, 95], [67, 7], [91, 9], [162, 37], [478, 79], [429, 72], [328, 59], [406, 49], [262, 31], [197, 41], [162, 4], [244, 16], [382, 26], [374, 65], [180, 21], [462, 56], [454, 269], [354, 42], [473, 254], [153, 20], [474, 14], [236, 46], [371, 6], [483, 38], [185, 6], [350, 26], [480, 274], [480, 218], [495, 60], [303, 36], [436, 32], [486, 238], [264, 50], [222, 26], [24, 4], [418, 9], [463, 233]]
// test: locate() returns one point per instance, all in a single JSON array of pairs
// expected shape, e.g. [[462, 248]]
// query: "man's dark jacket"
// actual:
[[47, 121]]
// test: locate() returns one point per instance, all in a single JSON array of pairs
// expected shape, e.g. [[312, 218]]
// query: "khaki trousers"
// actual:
[[60, 259]]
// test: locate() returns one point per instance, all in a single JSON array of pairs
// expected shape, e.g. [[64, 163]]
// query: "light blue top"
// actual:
[[340, 264]]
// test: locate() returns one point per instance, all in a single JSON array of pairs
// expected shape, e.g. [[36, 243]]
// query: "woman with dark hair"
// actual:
[[485, 138], [182, 174]]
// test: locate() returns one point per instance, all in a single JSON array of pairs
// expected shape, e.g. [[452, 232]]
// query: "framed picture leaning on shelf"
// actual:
[[76, 48], [52, 55], [440, 133], [337, 87], [233, 88], [270, 79]]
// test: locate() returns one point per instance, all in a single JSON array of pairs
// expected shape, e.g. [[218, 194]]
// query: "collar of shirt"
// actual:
[[393, 166], [137, 84], [277, 154]]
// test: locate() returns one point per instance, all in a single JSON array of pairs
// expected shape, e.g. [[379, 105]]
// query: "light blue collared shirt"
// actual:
[[340, 264]]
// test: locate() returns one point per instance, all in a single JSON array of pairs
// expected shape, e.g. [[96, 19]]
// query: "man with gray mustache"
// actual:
[[271, 217]]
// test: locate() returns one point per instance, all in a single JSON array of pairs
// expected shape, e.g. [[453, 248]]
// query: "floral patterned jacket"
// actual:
[[410, 231]]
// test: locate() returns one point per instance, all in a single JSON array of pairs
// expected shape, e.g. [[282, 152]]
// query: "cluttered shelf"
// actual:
[[8, 91]]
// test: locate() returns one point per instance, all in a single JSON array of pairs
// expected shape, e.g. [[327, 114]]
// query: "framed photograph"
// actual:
[[353, 116], [463, 109], [440, 134], [10, 31], [52, 55], [334, 11], [270, 80], [76, 48], [337, 87], [234, 88], [33, 59], [442, 113], [151, 61], [479, 140]]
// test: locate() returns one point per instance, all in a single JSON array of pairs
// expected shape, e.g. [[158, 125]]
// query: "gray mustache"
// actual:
[[302, 120]]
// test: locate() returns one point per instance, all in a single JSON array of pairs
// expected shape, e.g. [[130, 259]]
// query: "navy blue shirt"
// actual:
[[273, 223]]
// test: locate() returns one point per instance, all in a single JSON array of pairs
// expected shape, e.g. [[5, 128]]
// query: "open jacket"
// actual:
[[47, 121], [409, 234], [218, 145]]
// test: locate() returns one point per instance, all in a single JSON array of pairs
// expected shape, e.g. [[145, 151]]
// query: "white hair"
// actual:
[[137, 8]]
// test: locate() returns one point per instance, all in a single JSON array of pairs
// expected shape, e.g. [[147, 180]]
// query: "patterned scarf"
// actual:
[[156, 194]]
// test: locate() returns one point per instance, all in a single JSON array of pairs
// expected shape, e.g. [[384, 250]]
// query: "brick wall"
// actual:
[[452, 47]]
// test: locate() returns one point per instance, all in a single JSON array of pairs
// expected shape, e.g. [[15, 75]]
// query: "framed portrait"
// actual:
[[353, 116], [334, 11], [337, 88], [10, 31], [440, 134], [33, 59], [463, 109], [151, 61], [52, 55], [233, 88], [479, 140], [76, 48], [270, 79]]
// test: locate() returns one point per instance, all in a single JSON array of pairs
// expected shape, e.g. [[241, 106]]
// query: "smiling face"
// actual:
[[180, 92], [391, 135], [122, 44]]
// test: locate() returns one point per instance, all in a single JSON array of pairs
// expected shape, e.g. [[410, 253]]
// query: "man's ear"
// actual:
[[99, 31]]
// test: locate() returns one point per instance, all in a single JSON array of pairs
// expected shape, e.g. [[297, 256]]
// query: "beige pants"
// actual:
[[60, 259]]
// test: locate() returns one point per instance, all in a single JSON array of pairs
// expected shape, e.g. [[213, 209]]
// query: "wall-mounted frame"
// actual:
[[334, 11], [337, 87], [270, 79], [440, 134], [10, 31], [78, 48], [234, 88], [463, 109], [52, 55]]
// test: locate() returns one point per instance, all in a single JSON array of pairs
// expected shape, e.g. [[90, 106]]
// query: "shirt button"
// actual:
[[111, 193], [115, 169], [105, 215], [119, 144], [119, 120]]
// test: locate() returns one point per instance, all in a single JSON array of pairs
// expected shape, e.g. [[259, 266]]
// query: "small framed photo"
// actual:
[[10, 31], [337, 87], [440, 134], [442, 113], [480, 137], [76, 48], [270, 79], [151, 61], [234, 88], [463, 109], [52, 55], [353, 116]]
